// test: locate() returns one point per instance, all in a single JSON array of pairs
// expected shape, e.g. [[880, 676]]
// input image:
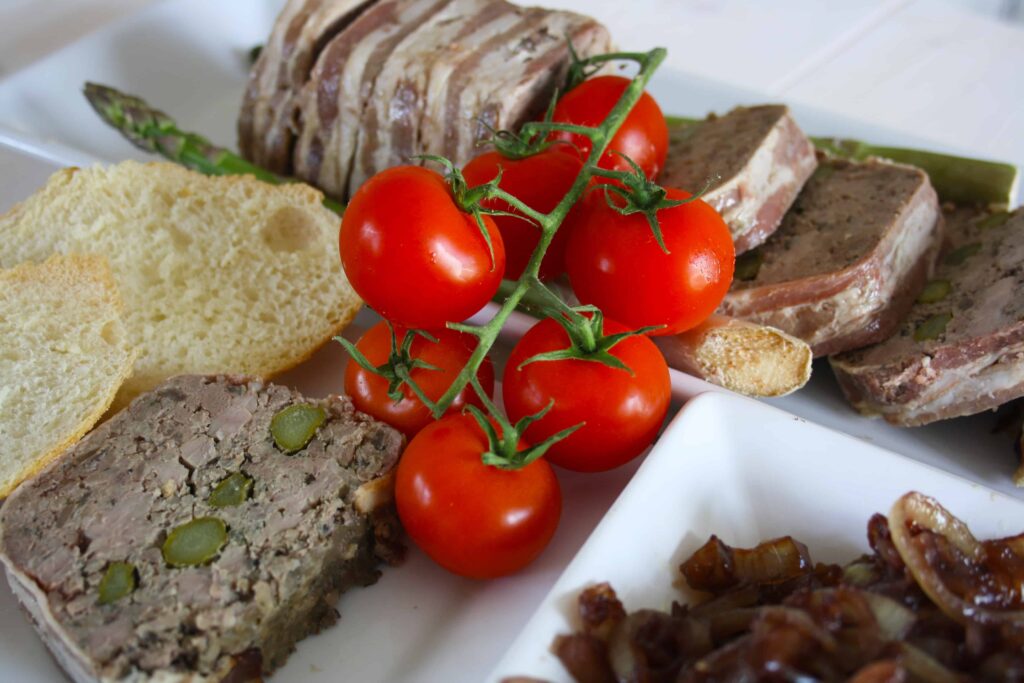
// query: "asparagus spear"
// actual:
[[956, 179], [153, 131]]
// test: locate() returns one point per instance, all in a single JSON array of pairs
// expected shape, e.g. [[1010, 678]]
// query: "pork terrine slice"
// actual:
[[266, 124], [848, 260], [960, 350], [190, 474], [756, 159]]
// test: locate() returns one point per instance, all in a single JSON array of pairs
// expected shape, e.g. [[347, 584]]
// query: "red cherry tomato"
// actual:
[[622, 412], [540, 181], [643, 136], [449, 353], [473, 519], [615, 263], [413, 255]]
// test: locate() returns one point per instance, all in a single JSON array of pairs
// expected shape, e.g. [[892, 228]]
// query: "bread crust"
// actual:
[[78, 270]]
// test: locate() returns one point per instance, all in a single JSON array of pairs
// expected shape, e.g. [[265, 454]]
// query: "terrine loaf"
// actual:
[[961, 348], [201, 529], [848, 260], [349, 88], [756, 159]]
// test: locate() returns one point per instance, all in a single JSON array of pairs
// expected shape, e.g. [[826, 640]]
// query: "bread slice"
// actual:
[[960, 349], [64, 353], [218, 274]]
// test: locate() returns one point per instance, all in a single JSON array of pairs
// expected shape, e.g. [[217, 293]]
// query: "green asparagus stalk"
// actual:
[[153, 131], [957, 179]]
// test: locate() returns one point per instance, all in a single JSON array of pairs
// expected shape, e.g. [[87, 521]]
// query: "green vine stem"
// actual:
[[549, 223]]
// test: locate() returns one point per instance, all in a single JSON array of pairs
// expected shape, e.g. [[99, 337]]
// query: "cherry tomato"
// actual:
[[413, 255], [615, 263], [643, 136], [473, 519], [540, 181], [449, 353], [622, 412]]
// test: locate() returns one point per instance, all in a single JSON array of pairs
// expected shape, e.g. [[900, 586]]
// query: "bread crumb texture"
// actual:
[[64, 352], [218, 274], [754, 360]]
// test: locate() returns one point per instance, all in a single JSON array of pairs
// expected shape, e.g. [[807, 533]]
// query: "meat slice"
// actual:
[[315, 523], [332, 101], [410, 77], [266, 125], [474, 61], [756, 159], [961, 348], [389, 126], [848, 260], [523, 66]]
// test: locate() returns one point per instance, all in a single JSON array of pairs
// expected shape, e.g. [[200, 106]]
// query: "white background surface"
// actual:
[[944, 70]]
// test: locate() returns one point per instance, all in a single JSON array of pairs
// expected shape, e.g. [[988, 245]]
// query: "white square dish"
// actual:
[[747, 472]]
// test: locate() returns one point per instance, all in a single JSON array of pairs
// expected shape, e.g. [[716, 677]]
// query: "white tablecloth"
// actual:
[[938, 69]]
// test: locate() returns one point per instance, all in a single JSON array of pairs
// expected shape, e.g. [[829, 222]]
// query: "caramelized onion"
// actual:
[[716, 566], [894, 620], [884, 671], [915, 514], [922, 667], [600, 610], [931, 603]]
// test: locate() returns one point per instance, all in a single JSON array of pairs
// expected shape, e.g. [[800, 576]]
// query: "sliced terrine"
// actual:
[[183, 538], [961, 348], [848, 260], [346, 88], [266, 125], [754, 160]]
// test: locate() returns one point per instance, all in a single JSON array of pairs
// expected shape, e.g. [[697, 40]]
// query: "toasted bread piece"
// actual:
[[225, 274], [742, 356], [64, 353]]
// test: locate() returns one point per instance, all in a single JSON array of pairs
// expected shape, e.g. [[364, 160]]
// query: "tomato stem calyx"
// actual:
[[503, 449], [467, 198], [637, 194], [399, 366], [587, 340]]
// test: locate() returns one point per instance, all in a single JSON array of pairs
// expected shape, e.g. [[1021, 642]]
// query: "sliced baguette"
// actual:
[[64, 352], [225, 274]]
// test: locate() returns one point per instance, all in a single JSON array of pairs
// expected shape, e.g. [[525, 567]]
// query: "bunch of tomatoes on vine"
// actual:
[[585, 388]]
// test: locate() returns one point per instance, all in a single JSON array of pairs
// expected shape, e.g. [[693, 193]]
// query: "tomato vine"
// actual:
[[548, 223]]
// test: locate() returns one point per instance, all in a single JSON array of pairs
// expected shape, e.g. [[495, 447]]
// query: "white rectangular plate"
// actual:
[[777, 475], [418, 623]]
